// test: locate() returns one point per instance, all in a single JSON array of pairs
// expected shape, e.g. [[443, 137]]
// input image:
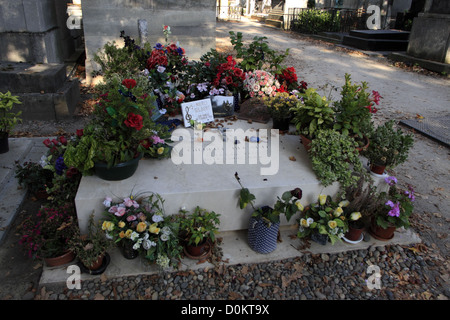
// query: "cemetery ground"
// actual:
[[408, 93]]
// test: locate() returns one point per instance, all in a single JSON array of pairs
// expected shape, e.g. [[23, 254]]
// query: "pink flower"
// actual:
[[157, 140], [120, 211], [131, 218], [130, 203]]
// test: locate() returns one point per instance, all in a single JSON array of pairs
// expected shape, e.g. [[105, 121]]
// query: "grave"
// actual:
[[377, 40], [266, 172]]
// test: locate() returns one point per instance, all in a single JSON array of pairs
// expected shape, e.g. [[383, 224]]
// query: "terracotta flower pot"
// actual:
[[365, 146], [354, 233], [63, 259], [202, 250], [97, 264], [381, 233], [306, 142], [378, 169]]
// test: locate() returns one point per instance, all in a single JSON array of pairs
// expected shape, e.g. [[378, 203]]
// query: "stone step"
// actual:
[[31, 78], [275, 23]]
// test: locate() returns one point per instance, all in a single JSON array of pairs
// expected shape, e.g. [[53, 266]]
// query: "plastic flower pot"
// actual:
[[118, 172], [4, 143], [281, 124]]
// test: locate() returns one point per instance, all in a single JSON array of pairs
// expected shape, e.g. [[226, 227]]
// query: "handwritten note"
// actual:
[[199, 110]]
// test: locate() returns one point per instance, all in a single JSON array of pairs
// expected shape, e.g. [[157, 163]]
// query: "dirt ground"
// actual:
[[408, 92]]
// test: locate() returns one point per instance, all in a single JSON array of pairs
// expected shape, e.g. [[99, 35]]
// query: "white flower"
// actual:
[[134, 235], [107, 202], [137, 245], [344, 203], [309, 221], [43, 162], [355, 216], [157, 217], [161, 69], [164, 237], [163, 261], [166, 230], [162, 111]]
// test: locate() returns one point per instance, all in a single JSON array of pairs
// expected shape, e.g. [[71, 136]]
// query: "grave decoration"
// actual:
[[144, 86]]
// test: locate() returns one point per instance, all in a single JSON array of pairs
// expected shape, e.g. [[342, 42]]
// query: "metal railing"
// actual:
[[229, 12], [347, 19]]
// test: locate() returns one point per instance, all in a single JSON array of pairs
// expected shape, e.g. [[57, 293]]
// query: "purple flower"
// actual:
[[410, 193], [395, 208], [391, 180], [159, 46]]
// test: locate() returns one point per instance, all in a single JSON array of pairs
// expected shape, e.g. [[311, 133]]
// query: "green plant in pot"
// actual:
[[264, 222], [35, 177], [353, 112], [91, 248], [198, 230], [46, 235], [388, 147], [8, 119], [334, 158], [120, 133], [312, 114], [394, 211], [323, 221]]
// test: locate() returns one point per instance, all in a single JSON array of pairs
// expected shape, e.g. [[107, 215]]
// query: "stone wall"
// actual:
[[192, 23], [34, 31]]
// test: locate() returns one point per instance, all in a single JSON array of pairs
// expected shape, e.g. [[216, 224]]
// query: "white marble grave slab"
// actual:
[[212, 186]]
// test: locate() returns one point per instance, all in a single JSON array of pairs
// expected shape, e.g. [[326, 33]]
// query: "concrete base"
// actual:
[[235, 250], [442, 68], [214, 186]]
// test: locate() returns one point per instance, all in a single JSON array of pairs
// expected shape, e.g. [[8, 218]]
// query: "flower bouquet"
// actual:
[[289, 81], [279, 107], [323, 221], [259, 83], [141, 224]]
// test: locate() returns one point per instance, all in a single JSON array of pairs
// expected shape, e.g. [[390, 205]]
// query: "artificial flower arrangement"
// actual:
[[141, 222], [119, 129], [260, 83], [323, 220]]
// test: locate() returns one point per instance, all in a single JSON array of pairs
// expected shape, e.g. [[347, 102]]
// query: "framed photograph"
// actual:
[[223, 106]]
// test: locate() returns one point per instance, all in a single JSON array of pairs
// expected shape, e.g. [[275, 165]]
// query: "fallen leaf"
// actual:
[[292, 158]]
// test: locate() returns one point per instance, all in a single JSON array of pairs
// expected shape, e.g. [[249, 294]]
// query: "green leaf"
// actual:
[[111, 111]]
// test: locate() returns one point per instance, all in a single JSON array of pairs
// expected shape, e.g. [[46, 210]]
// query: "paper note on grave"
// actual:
[[199, 110]]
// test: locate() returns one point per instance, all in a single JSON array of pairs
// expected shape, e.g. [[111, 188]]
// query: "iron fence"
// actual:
[[342, 20]]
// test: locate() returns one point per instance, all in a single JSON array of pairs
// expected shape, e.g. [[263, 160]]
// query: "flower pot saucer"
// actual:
[[383, 175], [354, 241], [100, 270]]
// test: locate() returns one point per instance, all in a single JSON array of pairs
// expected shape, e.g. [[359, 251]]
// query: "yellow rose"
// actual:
[[160, 150], [121, 224], [128, 233], [344, 203], [322, 199], [299, 205], [355, 216], [107, 225], [153, 228], [303, 222], [332, 224], [121, 235], [338, 211], [141, 226]]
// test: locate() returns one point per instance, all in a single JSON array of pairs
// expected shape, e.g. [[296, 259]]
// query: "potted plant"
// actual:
[[198, 230], [388, 147], [35, 177], [8, 119], [138, 225], [264, 222], [279, 107], [114, 141], [396, 206], [312, 114], [323, 221], [334, 158], [46, 236], [91, 248], [353, 113]]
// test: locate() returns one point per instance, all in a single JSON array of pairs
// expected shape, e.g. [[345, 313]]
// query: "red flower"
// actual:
[[134, 121], [228, 80], [71, 172], [63, 140], [146, 143], [129, 83], [47, 143], [79, 133]]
